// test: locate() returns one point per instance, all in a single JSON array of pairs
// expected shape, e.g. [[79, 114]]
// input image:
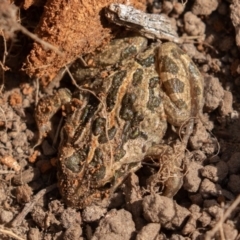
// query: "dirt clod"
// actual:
[[164, 210], [226, 104], [208, 188], [233, 183], [235, 17], [23, 193], [150, 231], [5, 216], [192, 179], [26, 176], [214, 93], [204, 7], [93, 213], [215, 173], [73, 232], [193, 25], [115, 225]]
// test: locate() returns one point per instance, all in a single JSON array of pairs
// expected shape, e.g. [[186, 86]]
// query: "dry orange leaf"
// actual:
[[76, 28]]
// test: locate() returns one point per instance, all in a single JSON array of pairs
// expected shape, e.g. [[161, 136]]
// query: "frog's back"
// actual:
[[130, 106]]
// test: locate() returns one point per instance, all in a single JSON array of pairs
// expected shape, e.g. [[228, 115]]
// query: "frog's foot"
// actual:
[[169, 178], [46, 109]]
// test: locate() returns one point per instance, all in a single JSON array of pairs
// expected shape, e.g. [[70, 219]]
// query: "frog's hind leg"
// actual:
[[170, 174]]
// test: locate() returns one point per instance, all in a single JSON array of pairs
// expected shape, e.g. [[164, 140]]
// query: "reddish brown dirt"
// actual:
[[73, 38]]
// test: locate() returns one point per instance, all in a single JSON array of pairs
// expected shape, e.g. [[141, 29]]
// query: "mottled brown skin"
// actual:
[[182, 84], [134, 109], [135, 121]]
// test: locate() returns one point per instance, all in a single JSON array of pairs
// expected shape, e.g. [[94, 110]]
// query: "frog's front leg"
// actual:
[[182, 84], [45, 110]]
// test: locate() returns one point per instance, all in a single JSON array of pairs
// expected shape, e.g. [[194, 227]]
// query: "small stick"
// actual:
[[7, 172], [37, 91], [4, 115], [39, 40], [153, 26], [4, 60]]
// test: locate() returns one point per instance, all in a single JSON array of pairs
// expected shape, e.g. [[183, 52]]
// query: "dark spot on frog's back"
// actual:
[[113, 91], [127, 111], [174, 85], [128, 52], [89, 111], [153, 82], [168, 65], [129, 99], [99, 174], [137, 77], [180, 104], [111, 133], [153, 102], [98, 157], [134, 133], [98, 126], [146, 62]]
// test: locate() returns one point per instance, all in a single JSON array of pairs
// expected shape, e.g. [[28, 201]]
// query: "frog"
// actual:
[[120, 115]]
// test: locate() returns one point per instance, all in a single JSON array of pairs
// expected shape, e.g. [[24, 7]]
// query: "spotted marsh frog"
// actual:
[[112, 128]]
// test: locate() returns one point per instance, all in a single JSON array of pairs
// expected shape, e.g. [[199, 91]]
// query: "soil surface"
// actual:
[[206, 207]]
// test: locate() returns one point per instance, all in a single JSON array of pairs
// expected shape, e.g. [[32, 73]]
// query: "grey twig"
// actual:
[[153, 26]]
